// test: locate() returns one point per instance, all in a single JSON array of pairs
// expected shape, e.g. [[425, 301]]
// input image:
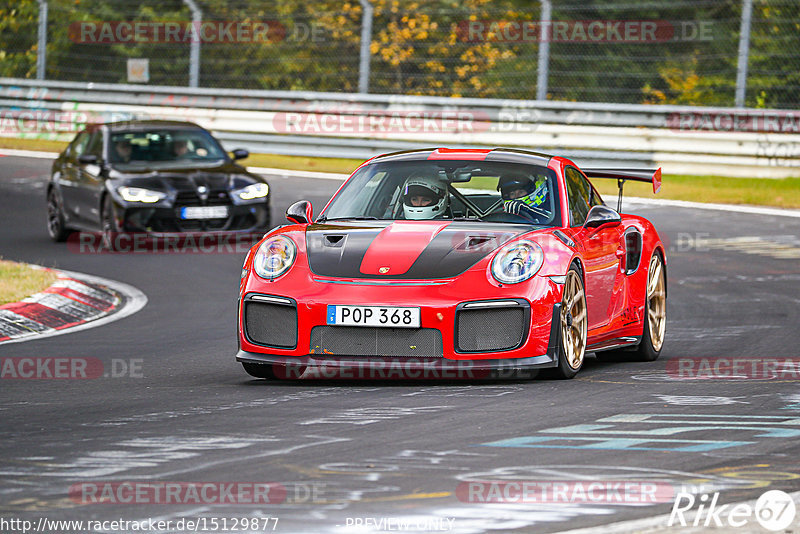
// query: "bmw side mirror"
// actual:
[[240, 153], [300, 212], [87, 159], [602, 216]]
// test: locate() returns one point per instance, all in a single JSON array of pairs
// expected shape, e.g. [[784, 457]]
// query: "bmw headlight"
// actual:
[[253, 191], [137, 194], [274, 257], [517, 261]]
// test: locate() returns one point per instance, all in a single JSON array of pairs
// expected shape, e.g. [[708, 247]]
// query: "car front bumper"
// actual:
[[277, 329], [247, 217], [377, 366]]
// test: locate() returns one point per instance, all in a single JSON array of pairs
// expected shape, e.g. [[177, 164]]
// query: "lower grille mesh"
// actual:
[[274, 325], [366, 341], [490, 329]]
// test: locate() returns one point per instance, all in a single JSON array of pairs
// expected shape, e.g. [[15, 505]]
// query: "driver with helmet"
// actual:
[[525, 196], [424, 197]]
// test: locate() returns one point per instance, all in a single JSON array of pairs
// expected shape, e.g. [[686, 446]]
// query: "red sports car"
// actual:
[[461, 259]]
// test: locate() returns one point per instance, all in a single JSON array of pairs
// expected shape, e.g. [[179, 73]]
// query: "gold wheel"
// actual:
[[573, 321], [656, 302]]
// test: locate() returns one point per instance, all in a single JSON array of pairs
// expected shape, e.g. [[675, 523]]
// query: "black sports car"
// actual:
[[153, 176]]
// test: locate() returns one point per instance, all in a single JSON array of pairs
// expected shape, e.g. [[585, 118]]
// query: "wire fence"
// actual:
[[624, 51]]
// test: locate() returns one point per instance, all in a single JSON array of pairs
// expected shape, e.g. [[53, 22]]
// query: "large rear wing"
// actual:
[[622, 175]]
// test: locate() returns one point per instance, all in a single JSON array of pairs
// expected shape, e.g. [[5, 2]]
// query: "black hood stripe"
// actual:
[[336, 250]]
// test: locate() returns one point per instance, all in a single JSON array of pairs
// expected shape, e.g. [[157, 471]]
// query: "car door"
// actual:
[[600, 247], [91, 181], [68, 180]]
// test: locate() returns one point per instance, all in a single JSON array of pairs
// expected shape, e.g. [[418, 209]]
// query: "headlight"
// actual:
[[274, 257], [517, 261], [137, 194], [245, 270], [253, 191]]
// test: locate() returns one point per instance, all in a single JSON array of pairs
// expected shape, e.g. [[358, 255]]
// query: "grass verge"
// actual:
[[781, 193], [303, 163], [18, 281], [42, 145]]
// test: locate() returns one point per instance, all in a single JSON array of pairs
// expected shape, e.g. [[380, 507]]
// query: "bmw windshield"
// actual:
[[159, 148], [447, 189]]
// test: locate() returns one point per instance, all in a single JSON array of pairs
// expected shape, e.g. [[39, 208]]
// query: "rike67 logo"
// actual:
[[774, 510]]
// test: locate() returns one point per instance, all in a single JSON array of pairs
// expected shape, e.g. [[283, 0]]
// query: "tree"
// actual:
[[18, 43]]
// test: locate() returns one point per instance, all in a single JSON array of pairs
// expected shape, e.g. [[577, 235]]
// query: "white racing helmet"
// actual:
[[434, 189]]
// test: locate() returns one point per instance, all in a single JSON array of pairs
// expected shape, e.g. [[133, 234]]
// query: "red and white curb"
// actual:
[[74, 302]]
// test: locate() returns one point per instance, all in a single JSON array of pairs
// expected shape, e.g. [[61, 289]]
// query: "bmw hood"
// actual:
[[219, 178], [403, 249]]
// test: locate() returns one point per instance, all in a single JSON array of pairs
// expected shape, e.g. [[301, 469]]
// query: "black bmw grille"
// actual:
[[490, 329], [274, 325], [367, 341], [191, 198], [185, 199]]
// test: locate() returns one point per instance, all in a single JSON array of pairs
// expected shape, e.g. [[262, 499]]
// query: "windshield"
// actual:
[[448, 189], [164, 147]]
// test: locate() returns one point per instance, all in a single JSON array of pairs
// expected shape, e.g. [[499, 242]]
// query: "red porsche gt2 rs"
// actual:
[[455, 259]]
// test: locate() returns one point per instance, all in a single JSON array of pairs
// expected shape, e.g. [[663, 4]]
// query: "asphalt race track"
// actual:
[[347, 452]]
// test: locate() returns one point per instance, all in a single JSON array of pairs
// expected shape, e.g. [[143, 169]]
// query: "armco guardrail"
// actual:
[[682, 140]]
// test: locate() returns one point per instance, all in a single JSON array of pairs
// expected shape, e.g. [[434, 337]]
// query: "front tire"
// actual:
[[573, 327], [55, 218], [109, 222]]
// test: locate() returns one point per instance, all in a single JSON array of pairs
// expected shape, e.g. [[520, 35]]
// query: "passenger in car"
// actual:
[[122, 151], [525, 196]]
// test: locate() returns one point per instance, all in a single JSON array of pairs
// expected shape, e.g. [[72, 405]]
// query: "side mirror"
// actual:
[[300, 212], [240, 153], [602, 216], [87, 159]]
